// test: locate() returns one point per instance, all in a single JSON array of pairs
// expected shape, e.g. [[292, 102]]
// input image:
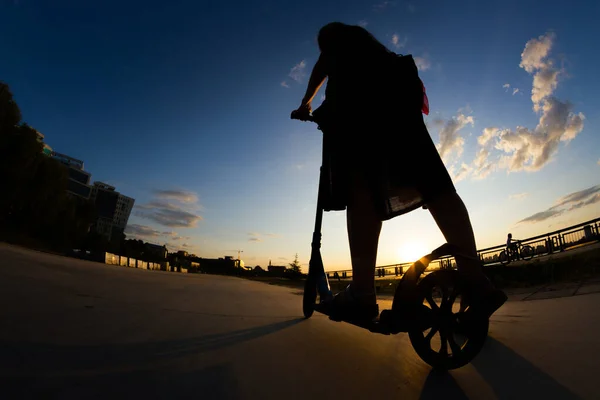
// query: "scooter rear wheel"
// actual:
[[448, 343], [310, 296]]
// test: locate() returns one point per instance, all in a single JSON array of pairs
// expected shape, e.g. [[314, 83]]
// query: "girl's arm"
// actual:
[[317, 78]]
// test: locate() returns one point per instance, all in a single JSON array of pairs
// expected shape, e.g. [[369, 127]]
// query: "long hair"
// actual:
[[337, 37]]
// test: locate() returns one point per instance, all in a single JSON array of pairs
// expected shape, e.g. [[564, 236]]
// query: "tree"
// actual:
[[295, 266], [258, 271], [10, 114], [34, 202]]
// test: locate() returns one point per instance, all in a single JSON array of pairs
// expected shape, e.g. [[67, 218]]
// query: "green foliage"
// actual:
[[294, 271], [34, 202], [10, 114], [295, 265]]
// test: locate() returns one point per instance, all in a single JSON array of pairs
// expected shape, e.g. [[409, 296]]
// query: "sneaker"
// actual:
[[406, 318], [483, 307], [346, 307], [484, 299], [488, 303]]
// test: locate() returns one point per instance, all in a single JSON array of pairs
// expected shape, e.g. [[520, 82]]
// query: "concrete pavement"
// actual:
[[73, 329]]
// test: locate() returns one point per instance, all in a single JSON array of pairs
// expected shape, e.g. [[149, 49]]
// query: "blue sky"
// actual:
[[184, 105]]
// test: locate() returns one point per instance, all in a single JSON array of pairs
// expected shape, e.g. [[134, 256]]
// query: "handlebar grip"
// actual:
[[308, 118]]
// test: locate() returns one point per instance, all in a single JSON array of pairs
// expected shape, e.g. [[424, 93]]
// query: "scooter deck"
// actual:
[[375, 325], [420, 321]]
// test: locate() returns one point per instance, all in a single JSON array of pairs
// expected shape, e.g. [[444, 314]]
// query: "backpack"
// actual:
[[425, 108], [406, 69]]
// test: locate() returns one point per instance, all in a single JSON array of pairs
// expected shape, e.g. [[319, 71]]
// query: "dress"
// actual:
[[372, 124]]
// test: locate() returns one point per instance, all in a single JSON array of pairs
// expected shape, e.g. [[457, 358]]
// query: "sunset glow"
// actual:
[[412, 251], [194, 124]]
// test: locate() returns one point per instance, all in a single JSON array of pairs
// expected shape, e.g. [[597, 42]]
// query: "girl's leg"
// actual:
[[452, 217], [364, 227]]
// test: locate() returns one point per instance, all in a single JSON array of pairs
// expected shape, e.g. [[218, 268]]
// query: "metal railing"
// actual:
[[553, 242]]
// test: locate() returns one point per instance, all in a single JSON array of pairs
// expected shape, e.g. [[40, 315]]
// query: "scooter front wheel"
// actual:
[[310, 296], [447, 344]]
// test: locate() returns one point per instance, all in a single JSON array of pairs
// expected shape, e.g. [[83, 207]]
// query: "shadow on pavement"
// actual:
[[441, 385], [28, 359], [211, 383], [511, 376]]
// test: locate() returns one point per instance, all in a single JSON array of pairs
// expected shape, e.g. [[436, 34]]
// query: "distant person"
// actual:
[[512, 248], [384, 161]]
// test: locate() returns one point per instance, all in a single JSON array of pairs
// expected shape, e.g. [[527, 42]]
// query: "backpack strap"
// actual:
[[425, 108]]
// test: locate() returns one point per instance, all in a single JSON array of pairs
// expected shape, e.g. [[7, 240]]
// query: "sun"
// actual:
[[411, 251]]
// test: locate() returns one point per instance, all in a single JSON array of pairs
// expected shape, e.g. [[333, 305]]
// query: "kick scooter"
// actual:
[[427, 308]]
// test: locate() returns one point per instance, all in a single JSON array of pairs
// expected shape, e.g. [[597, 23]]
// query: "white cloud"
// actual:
[[488, 134], [171, 208], [518, 196], [175, 236], [520, 148], [598, 161], [297, 72], [147, 233], [463, 171], [524, 148], [168, 214], [567, 203], [173, 247], [576, 199], [383, 5], [397, 42], [179, 195], [141, 231], [258, 237], [481, 166], [363, 23], [284, 84], [534, 59], [450, 139], [535, 52], [422, 63], [542, 215], [506, 86], [544, 84]]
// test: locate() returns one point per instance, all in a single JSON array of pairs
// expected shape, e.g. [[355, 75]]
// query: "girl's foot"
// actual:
[[350, 306]]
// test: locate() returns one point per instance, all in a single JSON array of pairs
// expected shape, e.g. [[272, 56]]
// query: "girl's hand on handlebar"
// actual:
[[302, 113]]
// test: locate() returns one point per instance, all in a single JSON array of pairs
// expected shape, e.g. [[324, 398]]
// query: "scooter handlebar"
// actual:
[[305, 117]]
